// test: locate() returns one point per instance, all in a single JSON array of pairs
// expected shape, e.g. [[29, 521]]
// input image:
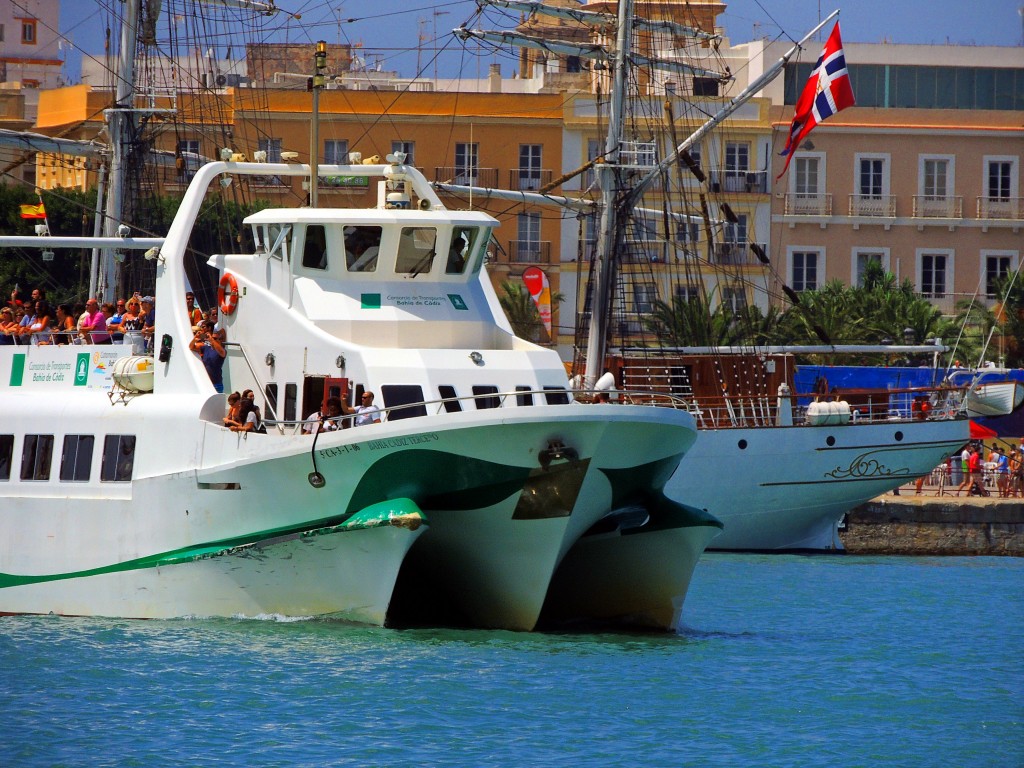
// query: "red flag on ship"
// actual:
[[828, 91]]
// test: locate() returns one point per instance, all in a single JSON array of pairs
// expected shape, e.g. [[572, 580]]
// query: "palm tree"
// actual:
[[522, 313]]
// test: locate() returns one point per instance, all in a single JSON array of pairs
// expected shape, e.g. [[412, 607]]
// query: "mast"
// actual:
[[608, 177], [121, 130]]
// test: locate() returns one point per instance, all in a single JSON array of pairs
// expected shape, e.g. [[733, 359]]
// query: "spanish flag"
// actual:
[[33, 211]]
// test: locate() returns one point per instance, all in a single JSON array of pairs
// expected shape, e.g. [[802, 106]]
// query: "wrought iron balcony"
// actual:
[[803, 204], [736, 254], [529, 251], [470, 177], [879, 206], [938, 206], [1001, 208], [528, 179], [732, 180]]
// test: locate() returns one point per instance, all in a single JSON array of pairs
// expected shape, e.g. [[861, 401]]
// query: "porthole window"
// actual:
[[899, 436], [830, 441], [743, 445]]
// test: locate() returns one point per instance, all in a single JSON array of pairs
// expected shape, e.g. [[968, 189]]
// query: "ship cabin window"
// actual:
[[464, 244], [416, 250], [76, 460], [404, 401], [273, 240], [314, 247], [525, 396], [6, 452], [271, 392], [447, 391], [118, 459], [291, 397], [556, 395], [362, 244], [36, 456], [486, 397]]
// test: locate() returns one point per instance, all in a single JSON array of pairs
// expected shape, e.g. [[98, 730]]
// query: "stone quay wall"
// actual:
[[945, 525]]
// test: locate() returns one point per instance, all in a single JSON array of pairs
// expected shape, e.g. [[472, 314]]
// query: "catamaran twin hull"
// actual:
[[793, 484], [213, 522]]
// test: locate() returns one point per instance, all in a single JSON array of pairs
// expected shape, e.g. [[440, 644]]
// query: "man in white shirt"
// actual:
[[366, 413]]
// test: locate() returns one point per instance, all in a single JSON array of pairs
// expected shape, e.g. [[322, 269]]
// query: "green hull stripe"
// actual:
[[374, 516]]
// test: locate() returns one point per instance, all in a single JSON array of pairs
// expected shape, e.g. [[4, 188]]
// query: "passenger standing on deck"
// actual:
[[194, 313], [367, 413], [94, 327], [208, 348]]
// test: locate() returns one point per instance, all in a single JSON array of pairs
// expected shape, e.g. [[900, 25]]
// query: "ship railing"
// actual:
[[133, 339], [866, 406], [522, 398]]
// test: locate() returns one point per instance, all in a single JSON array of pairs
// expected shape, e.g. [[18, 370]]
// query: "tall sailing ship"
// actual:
[[792, 469]]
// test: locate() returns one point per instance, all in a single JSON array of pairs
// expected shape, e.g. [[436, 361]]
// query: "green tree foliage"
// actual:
[[993, 332], [522, 313], [72, 213], [882, 308]]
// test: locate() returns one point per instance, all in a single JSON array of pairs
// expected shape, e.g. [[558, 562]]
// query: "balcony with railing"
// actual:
[[1011, 208], [938, 206], [529, 252], [470, 177], [642, 252], [528, 179], [731, 180], [877, 206], [736, 254], [803, 204]]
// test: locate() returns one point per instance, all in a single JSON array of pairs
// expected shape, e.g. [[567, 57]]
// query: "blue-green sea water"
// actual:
[[780, 661]]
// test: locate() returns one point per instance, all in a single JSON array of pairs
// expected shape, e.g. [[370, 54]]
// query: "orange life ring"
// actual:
[[227, 294]]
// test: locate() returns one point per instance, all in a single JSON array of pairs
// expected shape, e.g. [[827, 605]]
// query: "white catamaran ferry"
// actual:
[[484, 495]]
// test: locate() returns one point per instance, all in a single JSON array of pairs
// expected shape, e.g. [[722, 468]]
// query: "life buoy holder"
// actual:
[[227, 294]]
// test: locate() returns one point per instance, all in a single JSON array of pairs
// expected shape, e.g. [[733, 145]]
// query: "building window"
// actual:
[[933, 272], [737, 163], [1000, 179], [705, 86], [335, 152], [467, 163], [936, 178], [861, 259], [1, 33], [408, 148], [997, 267], [870, 178], [735, 298], [687, 292], [529, 166], [76, 460], [28, 31], [272, 147], [118, 458], [187, 160], [803, 270], [529, 231], [644, 296], [36, 456], [736, 234], [805, 176]]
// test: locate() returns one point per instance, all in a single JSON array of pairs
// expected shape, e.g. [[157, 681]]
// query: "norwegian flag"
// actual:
[[828, 91]]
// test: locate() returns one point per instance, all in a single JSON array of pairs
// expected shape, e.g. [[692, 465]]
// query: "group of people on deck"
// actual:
[[33, 320]]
